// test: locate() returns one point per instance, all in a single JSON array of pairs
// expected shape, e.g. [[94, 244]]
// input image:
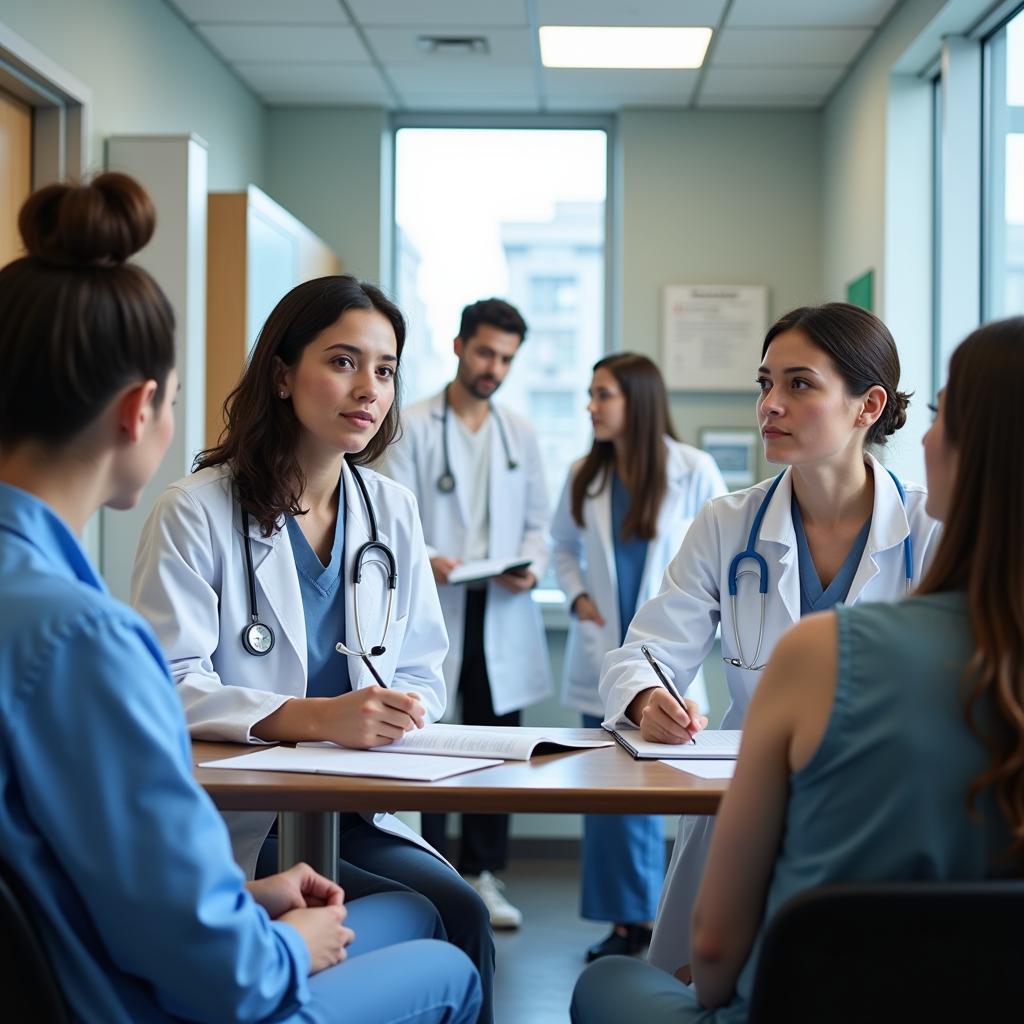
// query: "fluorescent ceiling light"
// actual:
[[592, 46]]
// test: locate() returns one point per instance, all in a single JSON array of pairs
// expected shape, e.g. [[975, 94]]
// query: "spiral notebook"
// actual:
[[709, 745]]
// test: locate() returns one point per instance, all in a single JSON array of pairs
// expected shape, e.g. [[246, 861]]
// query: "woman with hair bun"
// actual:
[[834, 527], [884, 741], [124, 862]]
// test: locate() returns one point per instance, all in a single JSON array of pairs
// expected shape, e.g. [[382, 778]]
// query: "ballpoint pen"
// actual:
[[668, 684]]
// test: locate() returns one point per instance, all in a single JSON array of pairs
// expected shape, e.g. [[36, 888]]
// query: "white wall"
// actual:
[[148, 72], [326, 166], [716, 198]]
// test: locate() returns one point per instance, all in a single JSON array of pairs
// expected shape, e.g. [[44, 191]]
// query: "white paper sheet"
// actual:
[[711, 744], [704, 769], [514, 743], [331, 760]]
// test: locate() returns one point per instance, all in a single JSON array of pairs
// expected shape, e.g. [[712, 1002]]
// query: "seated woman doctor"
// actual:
[[884, 741], [623, 512], [833, 528], [125, 864], [291, 589]]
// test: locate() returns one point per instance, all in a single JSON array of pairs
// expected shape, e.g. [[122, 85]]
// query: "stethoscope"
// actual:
[[750, 551], [258, 637], [446, 481]]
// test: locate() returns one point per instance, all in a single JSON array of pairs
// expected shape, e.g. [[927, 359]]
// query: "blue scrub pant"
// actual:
[[375, 862], [396, 970], [621, 988], [623, 863]]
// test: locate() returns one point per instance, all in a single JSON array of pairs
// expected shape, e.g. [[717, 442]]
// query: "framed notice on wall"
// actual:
[[712, 336]]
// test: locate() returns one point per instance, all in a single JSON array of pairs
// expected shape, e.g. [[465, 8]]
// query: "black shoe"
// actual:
[[636, 940]]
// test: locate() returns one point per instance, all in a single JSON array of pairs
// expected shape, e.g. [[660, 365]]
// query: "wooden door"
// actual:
[[15, 171]]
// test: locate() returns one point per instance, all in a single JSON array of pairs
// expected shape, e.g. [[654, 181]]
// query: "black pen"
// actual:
[[668, 684]]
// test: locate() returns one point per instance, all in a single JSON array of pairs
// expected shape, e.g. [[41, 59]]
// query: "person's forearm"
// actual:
[[295, 721], [715, 974]]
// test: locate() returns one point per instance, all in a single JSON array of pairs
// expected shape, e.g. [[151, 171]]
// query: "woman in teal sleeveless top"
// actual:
[[863, 750]]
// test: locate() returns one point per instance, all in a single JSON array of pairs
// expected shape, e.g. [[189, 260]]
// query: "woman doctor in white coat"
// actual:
[[291, 590], [624, 511], [835, 526]]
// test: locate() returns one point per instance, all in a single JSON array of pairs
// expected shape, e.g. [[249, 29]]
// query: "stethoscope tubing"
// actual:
[[446, 481], [751, 552]]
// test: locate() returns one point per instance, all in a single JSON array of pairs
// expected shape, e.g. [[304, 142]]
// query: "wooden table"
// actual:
[[605, 780]]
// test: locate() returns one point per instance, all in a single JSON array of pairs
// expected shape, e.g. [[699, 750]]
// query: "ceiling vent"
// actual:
[[454, 46]]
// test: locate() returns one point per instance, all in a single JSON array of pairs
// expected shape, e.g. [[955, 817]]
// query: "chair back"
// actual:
[[893, 953], [28, 986]]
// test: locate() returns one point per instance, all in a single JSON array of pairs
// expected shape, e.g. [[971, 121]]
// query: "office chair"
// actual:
[[28, 985], [905, 952]]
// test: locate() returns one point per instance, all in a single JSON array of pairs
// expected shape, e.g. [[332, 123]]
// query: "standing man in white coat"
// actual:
[[476, 472]]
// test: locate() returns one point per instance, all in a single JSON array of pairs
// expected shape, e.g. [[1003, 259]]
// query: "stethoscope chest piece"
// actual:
[[258, 639], [446, 483]]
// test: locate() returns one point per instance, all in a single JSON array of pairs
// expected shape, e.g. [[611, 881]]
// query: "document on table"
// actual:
[[710, 745], [511, 742], [704, 769], [327, 759], [485, 569]]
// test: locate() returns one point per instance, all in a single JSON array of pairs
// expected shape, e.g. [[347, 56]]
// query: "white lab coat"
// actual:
[[679, 626], [190, 583], [584, 561], [514, 642]]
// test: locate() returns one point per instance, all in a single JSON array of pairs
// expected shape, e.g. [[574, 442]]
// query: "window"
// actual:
[[518, 213], [1003, 284]]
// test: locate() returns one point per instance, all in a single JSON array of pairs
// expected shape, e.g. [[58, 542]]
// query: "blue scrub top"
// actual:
[[814, 597], [141, 907], [323, 607], [630, 557]]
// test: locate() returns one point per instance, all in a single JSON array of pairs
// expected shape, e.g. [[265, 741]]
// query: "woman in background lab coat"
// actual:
[[624, 511], [316, 402], [835, 530]]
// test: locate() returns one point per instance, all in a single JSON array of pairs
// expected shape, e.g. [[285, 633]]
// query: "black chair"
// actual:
[[906, 952], [28, 985]]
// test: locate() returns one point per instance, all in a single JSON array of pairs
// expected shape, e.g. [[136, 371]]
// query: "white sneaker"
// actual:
[[503, 914]]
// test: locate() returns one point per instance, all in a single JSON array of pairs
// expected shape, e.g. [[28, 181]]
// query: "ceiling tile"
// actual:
[[801, 14], [462, 102], [439, 13], [457, 78], [315, 83], [629, 12], [297, 43], [267, 12], [617, 88], [781, 84], [398, 45], [789, 46]]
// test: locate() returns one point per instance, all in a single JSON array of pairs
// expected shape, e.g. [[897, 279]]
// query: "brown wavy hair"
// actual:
[[648, 420], [262, 432], [982, 552], [77, 321]]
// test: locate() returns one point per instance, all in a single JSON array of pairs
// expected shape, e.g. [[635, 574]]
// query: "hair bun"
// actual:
[[96, 225], [896, 412]]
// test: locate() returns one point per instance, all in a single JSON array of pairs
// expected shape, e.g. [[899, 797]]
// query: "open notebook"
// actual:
[[511, 743], [710, 745]]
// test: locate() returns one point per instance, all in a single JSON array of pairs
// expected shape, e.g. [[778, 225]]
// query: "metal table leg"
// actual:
[[308, 836]]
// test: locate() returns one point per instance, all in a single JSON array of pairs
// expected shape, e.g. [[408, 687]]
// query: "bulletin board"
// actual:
[[712, 336]]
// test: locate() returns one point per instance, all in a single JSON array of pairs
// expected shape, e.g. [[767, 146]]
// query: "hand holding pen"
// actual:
[[657, 707]]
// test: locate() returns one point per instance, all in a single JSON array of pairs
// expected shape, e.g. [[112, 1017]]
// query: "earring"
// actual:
[[282, 394]]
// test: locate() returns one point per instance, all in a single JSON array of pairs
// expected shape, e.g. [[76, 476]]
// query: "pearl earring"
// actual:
[[282, 394]]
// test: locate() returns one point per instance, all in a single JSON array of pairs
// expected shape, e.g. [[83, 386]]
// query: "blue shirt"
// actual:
[[323, 608], [630, 556], [814, 597], [139, 903]]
